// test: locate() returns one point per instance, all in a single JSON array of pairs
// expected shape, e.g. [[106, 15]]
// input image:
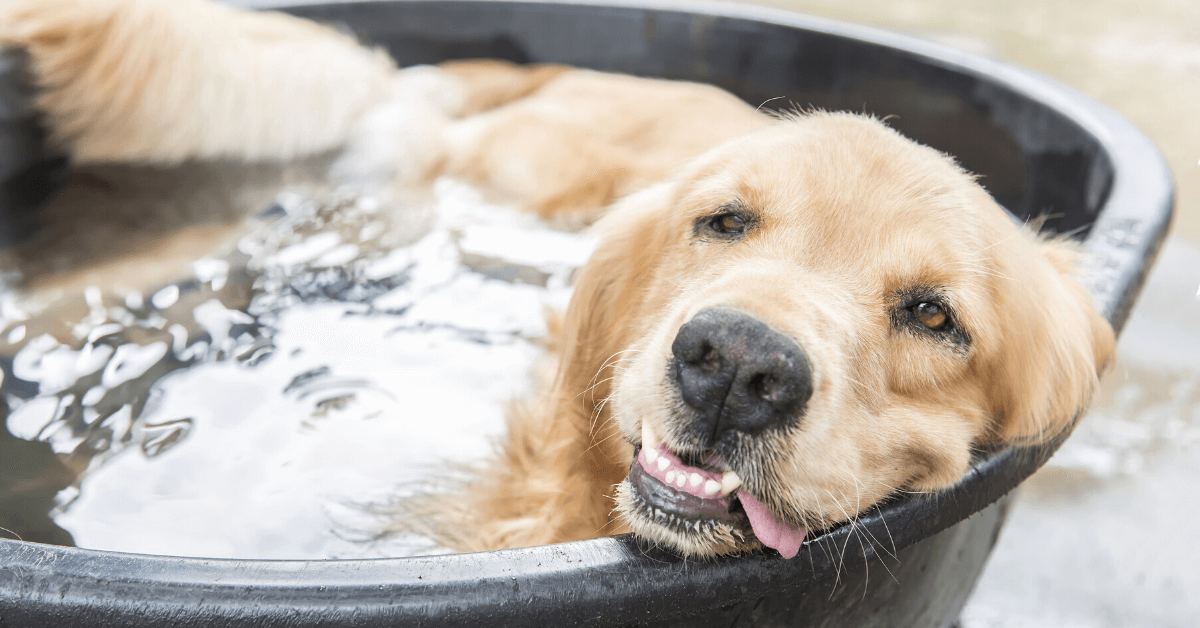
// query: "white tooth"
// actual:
[[680, 480], [670, 477], [648, 439], [711, 487], [663, 463], [729, 482], [651, 455], [695, 480]]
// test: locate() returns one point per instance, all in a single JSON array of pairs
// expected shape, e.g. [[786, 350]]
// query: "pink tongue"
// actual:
[[769, 529]]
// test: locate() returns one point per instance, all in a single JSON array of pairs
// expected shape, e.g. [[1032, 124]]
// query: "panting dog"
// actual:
[[788, 319]]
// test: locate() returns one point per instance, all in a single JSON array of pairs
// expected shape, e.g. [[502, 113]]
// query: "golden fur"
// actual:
[[849, 222], [163, 81]]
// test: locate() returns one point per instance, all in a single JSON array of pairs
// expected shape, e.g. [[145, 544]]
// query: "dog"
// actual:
[[788, 320]]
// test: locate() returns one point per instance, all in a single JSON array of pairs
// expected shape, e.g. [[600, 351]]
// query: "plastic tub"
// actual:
[[1042, 147]]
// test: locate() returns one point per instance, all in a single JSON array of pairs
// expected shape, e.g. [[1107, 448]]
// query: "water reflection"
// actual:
[[30, 478]]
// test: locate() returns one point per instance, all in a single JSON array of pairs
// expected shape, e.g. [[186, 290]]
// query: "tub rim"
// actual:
[[1123, 241]]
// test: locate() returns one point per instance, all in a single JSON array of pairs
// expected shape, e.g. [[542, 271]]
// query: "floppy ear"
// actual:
[[611, 293], [1054, 344]]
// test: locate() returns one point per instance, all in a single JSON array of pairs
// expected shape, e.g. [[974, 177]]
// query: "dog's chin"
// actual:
[[692, 526]]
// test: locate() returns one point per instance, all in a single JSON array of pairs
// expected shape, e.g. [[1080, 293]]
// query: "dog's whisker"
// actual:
[[608, 362], [866, 565], [998, 243], [883, 520], [857, 530], [601, 441], [883, 561], [593, 386], [597, 411], [842, 552], [874, 539]]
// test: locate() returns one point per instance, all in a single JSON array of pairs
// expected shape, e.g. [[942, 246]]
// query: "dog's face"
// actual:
[[815, 317]]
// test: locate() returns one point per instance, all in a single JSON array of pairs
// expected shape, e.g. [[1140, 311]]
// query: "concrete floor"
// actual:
[[1104, 535]]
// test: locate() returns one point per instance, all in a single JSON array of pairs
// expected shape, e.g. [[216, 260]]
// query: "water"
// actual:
[[253, 409]]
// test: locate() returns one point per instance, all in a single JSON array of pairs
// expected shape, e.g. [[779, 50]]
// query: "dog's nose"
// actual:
[[738, 374]]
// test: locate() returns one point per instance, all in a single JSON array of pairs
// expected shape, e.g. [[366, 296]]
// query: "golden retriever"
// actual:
[[788, 318]]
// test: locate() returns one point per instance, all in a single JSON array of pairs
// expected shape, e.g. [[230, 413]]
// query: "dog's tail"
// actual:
[[164, 81]]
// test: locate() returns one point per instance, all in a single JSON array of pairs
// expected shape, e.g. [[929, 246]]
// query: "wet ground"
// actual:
[[1104, 535]]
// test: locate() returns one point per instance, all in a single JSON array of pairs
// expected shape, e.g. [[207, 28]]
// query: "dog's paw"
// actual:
[[400, 142]]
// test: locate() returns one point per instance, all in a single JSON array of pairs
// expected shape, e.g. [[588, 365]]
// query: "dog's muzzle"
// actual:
[[739, 378]]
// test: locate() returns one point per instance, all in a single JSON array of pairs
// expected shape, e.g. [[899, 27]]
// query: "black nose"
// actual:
[[738, 374]]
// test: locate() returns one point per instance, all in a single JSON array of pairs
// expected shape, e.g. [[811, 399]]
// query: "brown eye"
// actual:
[[728, 223], [931, 315]]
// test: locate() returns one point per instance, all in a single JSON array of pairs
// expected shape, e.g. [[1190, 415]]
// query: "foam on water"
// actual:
[[253, 410]]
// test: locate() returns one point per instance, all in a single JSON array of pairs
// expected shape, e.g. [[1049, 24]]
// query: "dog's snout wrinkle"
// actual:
[[736, 373]]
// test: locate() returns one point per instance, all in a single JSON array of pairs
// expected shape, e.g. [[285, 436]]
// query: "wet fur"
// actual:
[[851, 219]]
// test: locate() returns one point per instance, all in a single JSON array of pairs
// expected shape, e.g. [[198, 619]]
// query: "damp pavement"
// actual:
[[1104, 535]]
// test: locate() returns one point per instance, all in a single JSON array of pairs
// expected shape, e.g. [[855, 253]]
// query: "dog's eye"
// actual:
[[930, 315], [728, 223], [925, 311]]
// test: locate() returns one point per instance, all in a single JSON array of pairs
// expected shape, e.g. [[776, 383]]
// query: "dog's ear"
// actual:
[[610, 291], [1046, 362]]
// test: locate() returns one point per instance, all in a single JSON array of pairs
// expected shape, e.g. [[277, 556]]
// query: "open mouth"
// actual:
[[690, 497]]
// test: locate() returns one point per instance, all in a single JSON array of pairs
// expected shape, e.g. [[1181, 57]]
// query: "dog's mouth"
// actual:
[[692, 497]]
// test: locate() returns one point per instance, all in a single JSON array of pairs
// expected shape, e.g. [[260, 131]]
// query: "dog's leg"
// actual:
[[490, 83], [567, 143], [559, 170], [162, 81], [565, 176], [401, 142]]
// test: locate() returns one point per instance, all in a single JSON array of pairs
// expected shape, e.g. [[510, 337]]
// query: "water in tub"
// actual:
[[254, 408]]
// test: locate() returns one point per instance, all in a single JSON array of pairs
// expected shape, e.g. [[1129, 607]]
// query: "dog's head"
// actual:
[[814, 317]]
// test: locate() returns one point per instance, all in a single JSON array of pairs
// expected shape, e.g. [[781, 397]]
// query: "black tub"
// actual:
[[1042, 147]]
